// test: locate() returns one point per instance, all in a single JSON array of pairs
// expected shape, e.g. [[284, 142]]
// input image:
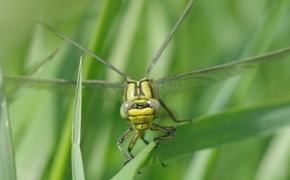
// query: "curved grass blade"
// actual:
[[275, 162], [129, 171], [199, 165], [236, 90], [59, 166], [77, 162], [202, 76], [7, 163], [226, 127]]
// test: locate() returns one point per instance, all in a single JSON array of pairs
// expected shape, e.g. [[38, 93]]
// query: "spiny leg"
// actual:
[[168, 130], [171, 114], [169, 133], [131, 145], [122, 139]]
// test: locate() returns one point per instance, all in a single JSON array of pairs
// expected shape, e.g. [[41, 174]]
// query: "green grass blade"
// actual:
[[131, 169], [226, 127], [260, 42], [119, 56], [62, 151], [200, 165], [77, 162], [275, 163], [7, 163]]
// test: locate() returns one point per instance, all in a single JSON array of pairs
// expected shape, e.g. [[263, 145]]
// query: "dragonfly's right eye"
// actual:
[[124, 109], [154, 104]]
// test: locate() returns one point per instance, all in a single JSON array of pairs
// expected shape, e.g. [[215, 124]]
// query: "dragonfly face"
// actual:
[[140, 106]]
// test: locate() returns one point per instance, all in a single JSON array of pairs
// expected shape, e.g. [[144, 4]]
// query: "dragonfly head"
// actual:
[[140, 112], [140, 105]]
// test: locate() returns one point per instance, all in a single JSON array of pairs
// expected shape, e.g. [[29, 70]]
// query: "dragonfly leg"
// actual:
[[147, 142], [122, 139], [171, 114], [143, 138], [169, 133], [131, 145], [168, 130]]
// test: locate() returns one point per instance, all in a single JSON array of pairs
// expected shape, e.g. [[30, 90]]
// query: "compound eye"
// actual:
[[154, 104], [124, 109]]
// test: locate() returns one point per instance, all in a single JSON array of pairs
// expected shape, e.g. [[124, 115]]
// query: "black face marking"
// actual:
[[125, 94], [144, 79], [141, 92], [140, 106], [135, 89], [153, 92]]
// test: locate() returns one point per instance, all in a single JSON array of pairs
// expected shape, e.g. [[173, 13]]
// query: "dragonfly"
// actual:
[[141, 98]]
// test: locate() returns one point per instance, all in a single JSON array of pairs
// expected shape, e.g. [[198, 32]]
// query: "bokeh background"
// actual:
[[127, 33]]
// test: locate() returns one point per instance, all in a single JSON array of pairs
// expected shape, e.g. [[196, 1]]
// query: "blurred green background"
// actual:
[[127, 33]]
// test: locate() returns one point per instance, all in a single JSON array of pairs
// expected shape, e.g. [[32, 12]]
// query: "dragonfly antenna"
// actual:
[[89, 52], [168, 38]]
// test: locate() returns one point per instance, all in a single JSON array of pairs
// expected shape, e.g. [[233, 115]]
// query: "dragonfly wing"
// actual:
[[203, 76], [110, 89]]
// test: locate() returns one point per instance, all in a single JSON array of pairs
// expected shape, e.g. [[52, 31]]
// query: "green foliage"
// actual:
[[131, 169], [226, 127], [239, 121]]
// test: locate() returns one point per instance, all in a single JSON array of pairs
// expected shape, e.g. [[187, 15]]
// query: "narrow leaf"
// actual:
[[131, 169], [77, 162], [226, 127]]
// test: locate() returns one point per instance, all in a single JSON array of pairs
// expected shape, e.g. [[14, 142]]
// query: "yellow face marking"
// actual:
[[140, 112], [144, 86], [138, 89], [140, 100], [131, 92]]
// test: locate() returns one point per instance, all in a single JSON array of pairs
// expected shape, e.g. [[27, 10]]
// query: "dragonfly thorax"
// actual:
[[140, 106]]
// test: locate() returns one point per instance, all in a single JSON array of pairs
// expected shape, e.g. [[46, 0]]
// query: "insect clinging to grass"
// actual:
[[141, 103]]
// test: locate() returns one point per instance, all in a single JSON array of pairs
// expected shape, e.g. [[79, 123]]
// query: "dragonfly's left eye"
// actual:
[[154, 104], [124, 109]]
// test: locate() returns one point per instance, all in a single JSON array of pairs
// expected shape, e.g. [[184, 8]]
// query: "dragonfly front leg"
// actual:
[[168, 130], [169, 133], [122, 139], [131, 145], [171, 115]]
